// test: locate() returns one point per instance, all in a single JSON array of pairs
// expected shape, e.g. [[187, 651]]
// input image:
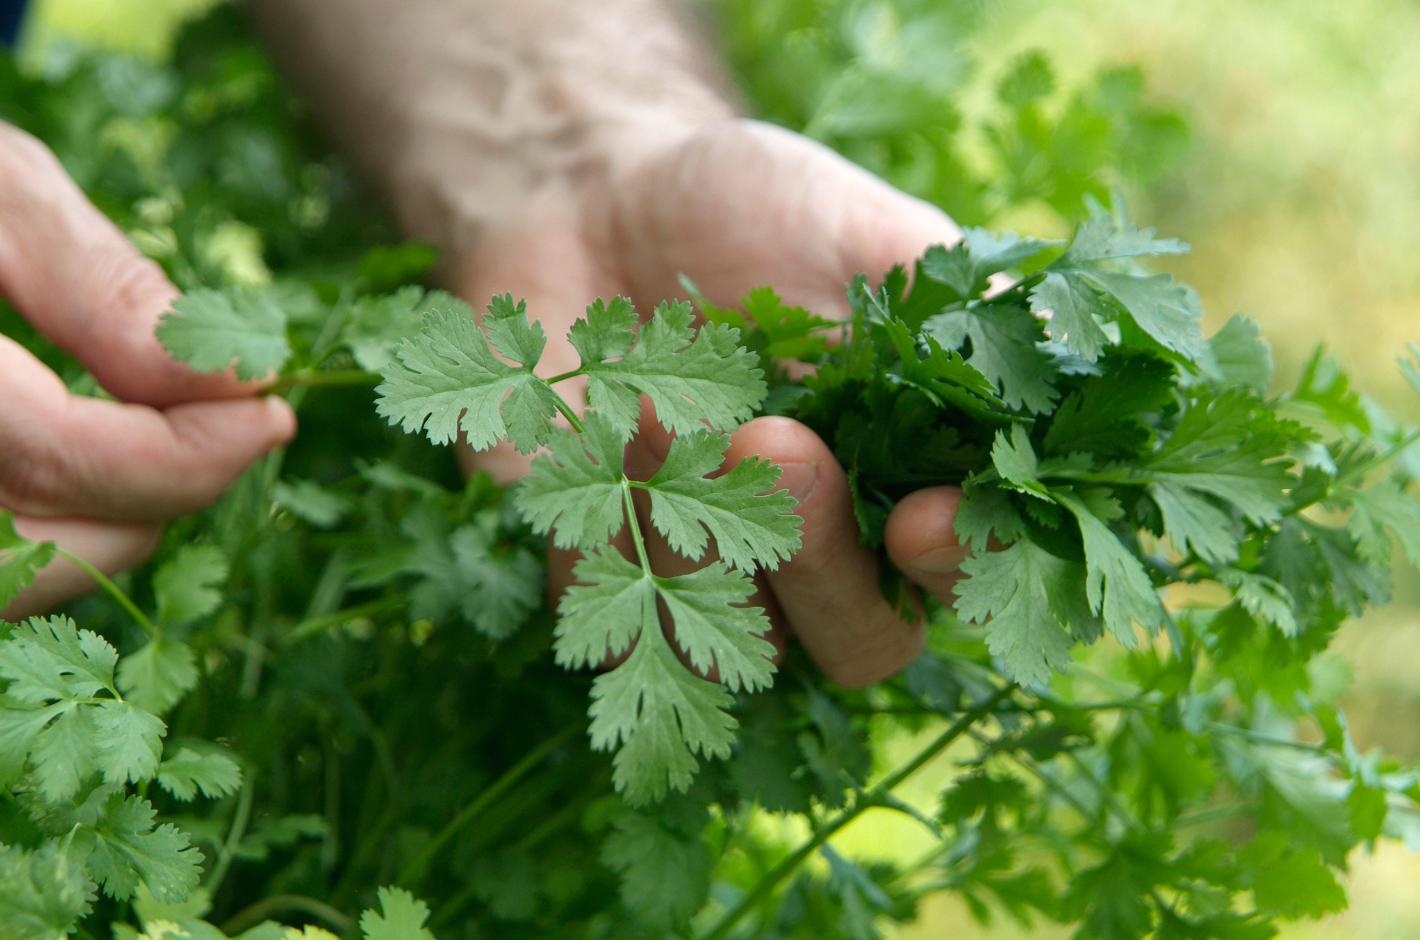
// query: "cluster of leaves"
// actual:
[[884, 81], [357, 639]]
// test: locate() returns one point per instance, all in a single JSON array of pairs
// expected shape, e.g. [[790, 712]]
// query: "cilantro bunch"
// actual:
[[345, 675]]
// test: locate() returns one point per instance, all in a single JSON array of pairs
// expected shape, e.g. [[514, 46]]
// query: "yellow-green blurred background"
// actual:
[[1301, 195]]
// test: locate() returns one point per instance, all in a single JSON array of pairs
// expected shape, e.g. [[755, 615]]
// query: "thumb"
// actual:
[[73, 275]]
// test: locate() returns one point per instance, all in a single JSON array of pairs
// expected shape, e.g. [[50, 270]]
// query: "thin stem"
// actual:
[[234, 837], [414, 870], [564, 376], [827, 829], [1384, 457], [308, 378], [113, 590], [634, 525], [569, 414], [255, 913], [314, 625]]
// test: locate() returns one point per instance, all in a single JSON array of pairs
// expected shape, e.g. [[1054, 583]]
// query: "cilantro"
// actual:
[[240, 328], [20, 559]]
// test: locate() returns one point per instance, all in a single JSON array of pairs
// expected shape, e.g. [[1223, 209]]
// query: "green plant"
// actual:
[[344, 675]]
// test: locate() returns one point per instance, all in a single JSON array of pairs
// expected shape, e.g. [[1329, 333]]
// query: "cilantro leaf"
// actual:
[[235, 327], [45, 892], [1027, 598], [693, 378], [506, 582], [661, 715], [750, 524], [967, 266], [1072, 308], [126, 849], [188, 770], [1104, 238], [188, 585], [1004, 348], [576, 492], [446, 379], [376, 324], [1195, 523], [52, 711], [1240, 356], [401, 917], [664, 866], [1116, 584], [20, 559]]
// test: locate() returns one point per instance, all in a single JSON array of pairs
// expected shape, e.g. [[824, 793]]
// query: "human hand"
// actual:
[[736, 205], [99, 477]]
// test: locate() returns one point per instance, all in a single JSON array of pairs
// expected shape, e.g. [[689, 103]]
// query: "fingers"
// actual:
[[73, 275], [66, 455], [110, 547], [922, 542], [829, 591]]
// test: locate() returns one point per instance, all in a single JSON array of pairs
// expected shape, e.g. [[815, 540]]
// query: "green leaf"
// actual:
[[1072, 306], [506, 583], [1116, 584], [125, 849], [188, 770], [52, 712], [1014, 459], [20, 559], [446, 379], [1263, 597], [662, 716], [693, 378], [1241, 356], [664, 868], [156, 677], [601, 615], [1380, 512], [716, 632], [607, 332], [511, 333], [576, 492], [1160, 307], [45, 892], [1193, 522], [1104, 238], [967, 266], [986, 511], [1004, 348], [401, 917], [1114, 413], [1027, 598], [375, 325], [311, 502], [235, 327], [752, 523], [188, 585], [1291, 882]]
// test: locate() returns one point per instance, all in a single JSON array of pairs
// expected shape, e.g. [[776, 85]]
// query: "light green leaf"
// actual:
[[235, 327], [577, 491], [125, 849], [20, 559], [188, 585], [446, 379], [401, 917], [751, 525], [157, 676], [693, 378], [189, 769], [1116, 584], [1072, 307], [44, 892]]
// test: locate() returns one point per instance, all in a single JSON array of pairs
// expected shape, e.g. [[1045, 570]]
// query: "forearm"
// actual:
[[463, 112]]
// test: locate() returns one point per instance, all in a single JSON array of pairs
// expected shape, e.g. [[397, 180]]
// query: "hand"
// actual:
[[733, 206], [99, 477]]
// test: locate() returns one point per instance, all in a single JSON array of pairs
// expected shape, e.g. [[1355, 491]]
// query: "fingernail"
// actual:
[[942, 560], [800, 479]]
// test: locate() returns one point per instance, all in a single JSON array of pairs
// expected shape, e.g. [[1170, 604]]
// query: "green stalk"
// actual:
[[113, 590], [786, 867], [415, 869], [311, 378]]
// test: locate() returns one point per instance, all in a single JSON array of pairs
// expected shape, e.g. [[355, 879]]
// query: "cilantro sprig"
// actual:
[[666, 703]]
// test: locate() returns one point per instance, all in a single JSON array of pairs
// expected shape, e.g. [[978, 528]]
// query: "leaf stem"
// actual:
[[257, 912], [634, 526], [313, 625], [827, 829], [568, 413], [564, 376], [113, 590], [307, 378], [414, 870]]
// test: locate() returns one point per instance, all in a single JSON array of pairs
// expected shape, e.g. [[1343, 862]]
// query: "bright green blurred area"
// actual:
[[1301, 196]]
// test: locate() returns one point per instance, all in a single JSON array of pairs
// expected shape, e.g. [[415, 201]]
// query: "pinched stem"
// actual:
[[307, 378]]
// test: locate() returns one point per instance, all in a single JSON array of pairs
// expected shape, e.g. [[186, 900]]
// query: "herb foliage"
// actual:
[[341, 689]]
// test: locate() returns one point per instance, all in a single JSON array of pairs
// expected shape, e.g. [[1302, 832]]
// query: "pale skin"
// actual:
[[564, 151]]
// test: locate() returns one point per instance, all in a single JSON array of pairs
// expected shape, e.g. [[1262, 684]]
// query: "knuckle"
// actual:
[[35, 476], [876, 654]]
